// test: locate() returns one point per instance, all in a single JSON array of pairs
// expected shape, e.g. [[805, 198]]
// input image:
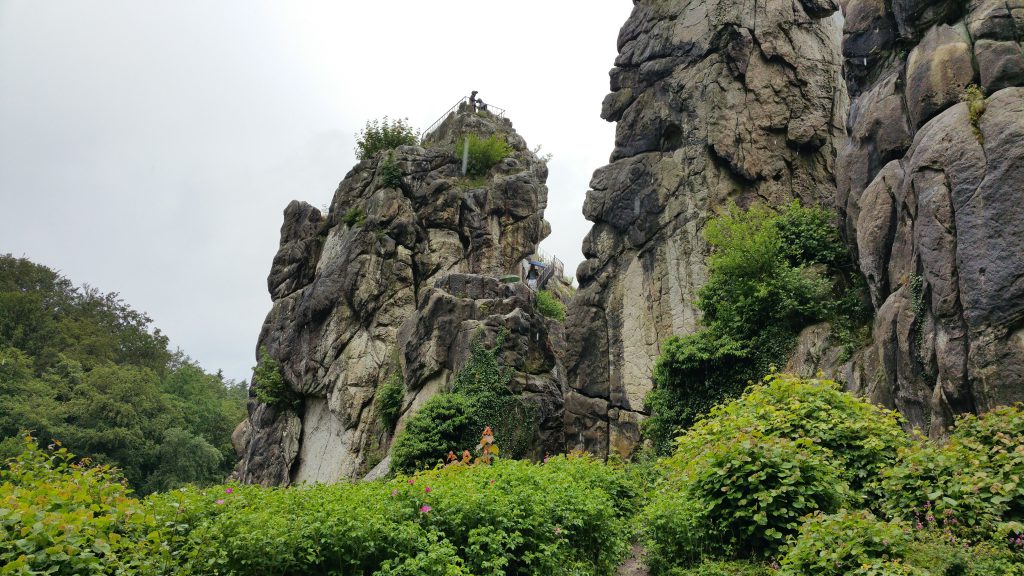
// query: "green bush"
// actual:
[[566, 516], [971, 486], [62, 517], [562, 517], [380, 135], [353, 216], [862, 437], [550, 306], [724, 568], [693, 374], [390, 395], [842, 543], [268, 382], [771, 275], [452, 421], [738, 497], [484, 153], [391, 174], [859, 543]]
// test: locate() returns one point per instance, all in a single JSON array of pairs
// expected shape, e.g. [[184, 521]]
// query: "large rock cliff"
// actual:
[[406, 241], [931, 196], [715, 102]]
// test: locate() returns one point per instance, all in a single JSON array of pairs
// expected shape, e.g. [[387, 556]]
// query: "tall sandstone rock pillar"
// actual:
[[716, 101], [931, 192], [394, 282]]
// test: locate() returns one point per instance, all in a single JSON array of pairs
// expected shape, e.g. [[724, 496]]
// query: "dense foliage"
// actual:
[[859, 543], [757, 487], [388, 399], [268, 383], [567, 516], [771, 274], [385, 134], [863, 438], [83, 367], [549, 306], [450, 421], [798, 471], [971, 487], [484, 153], [60, 517]]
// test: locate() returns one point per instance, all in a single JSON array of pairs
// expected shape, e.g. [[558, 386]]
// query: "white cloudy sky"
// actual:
[[148, 148]]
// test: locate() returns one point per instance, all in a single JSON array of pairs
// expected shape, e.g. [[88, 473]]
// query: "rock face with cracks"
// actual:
[[931, 198], [409, 250], [715, 102]]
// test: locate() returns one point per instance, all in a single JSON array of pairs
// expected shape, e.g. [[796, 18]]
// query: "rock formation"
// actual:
[[931, 195], [407, 240], [715, 102]]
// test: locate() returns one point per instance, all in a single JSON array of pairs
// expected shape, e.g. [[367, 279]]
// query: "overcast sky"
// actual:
[[149, 148]]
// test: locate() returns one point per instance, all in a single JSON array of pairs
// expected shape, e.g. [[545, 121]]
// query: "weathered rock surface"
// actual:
[[932, 202], [344, 284], [715, 102], [435, 343]]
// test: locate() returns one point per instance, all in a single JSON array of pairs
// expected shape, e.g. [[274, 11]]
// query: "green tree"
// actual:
[[82, 366], [452, 421], [380, 135], [771, 274]]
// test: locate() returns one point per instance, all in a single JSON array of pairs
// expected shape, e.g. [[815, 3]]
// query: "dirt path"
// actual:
[[633, 566]]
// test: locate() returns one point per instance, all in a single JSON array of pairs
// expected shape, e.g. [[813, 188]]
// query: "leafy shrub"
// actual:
[[771, 275], [550, 306], [998, 435], [268, 382], [380, 135], [484, 153], [62, 517], [969, 487], [353, 216], [390, 395], [451, 421], [693, 374], [391, 175], [723, 568], [859, 543], [758, 281], [566, 516], [862, 437], [841, 543], [740, 496], [441, 425]]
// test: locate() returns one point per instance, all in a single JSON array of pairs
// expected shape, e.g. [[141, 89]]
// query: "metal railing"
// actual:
[[499, 112]]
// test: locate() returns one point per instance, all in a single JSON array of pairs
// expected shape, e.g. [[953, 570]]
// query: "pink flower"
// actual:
[[411, 480], [229, 490], [219, 502], [394, 492], [424, 509], [427, 489]]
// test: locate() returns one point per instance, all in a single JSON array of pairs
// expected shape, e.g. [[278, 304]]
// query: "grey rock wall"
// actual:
[[715, 102], [931, 196], [343, 285]]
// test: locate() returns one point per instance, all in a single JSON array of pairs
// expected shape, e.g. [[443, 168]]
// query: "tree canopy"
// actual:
[[82, 366]]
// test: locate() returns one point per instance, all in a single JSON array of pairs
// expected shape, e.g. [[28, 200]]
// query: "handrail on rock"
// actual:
[[499, 112]]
